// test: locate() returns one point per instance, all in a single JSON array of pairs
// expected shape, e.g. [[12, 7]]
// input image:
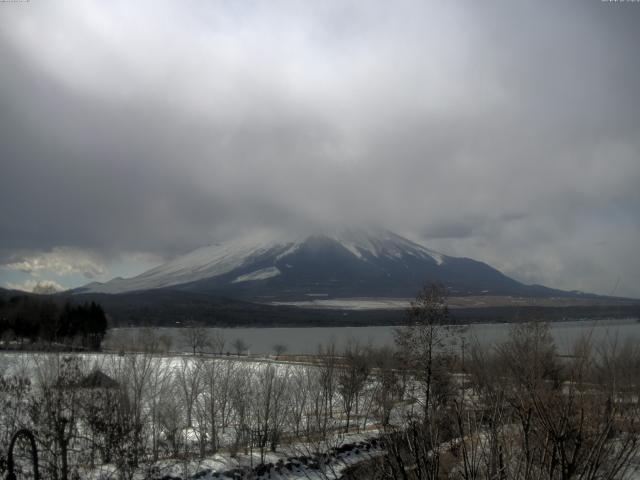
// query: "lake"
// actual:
[[305, 340]]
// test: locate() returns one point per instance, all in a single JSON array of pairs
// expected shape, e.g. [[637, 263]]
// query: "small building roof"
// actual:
[[98, 379]]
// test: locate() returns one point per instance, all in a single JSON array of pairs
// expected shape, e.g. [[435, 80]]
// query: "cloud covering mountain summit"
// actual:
[[335, 264]]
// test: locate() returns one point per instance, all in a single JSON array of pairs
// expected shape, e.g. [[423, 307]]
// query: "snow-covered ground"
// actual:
[[166, 378], [297, 461], [351, 303]]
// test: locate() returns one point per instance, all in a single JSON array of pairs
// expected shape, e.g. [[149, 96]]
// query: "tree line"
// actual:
[[51, 323], [515, 410]]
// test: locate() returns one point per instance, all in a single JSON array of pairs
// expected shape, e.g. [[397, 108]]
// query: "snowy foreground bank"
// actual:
[[290, 463], [184, 417]]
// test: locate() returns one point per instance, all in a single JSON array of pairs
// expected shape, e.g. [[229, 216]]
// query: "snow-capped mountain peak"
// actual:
[[380, 242], [337, 262]]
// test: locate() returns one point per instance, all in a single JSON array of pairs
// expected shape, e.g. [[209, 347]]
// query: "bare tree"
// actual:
[[188, 377], [160, 386], [302, 384], [545, 419], [217, 341], [196, 337], [55, 410], [217, 377], [423, 349], [324, 402], [240, 346], [422, 343], [388, 387], [15, 393], [279, 349], [242, 390], [150, 341], [171, 421], [352, 376], [263, 404]]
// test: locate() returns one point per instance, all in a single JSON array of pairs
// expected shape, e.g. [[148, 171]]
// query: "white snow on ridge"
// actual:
[[261, 274], [205, 262], [292, 248], [379, 242]]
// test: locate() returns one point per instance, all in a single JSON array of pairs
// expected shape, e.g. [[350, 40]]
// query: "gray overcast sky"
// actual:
[[507, 131]]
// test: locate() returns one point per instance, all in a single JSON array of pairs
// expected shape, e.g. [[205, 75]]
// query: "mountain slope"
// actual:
[[341, 263]]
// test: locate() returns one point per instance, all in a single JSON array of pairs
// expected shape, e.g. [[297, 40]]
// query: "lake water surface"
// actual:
[[305, 340]]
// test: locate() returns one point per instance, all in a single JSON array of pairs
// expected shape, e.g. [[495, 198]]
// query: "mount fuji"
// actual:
[[344, 263]]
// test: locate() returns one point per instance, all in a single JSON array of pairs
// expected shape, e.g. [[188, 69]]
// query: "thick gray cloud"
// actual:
[[503, 131]]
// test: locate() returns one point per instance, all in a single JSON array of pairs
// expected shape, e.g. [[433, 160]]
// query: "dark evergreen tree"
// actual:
[[35, 319]]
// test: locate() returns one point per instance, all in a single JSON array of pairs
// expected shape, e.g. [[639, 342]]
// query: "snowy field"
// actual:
[[257, 416], [291, 463]]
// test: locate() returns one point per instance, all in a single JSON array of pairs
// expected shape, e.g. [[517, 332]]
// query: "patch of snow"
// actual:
[[292, 248], [261, 274], [378, 242], [205, 262], [351, 303]]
